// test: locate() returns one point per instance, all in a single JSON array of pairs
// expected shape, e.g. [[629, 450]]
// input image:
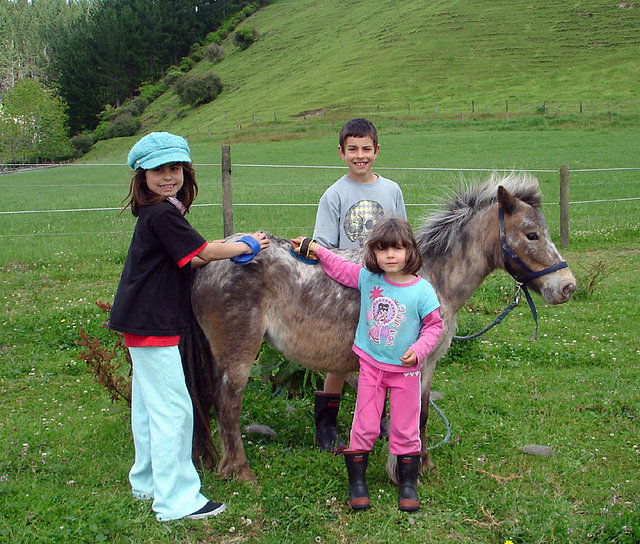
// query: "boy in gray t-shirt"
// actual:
[[347, 212]]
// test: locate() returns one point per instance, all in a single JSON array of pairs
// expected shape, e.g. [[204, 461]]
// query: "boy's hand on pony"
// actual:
[[409, 358], [305, 246]]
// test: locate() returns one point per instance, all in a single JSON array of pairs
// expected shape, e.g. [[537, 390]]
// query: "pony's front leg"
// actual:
[[228, 407], [427, 463], [428, 367]]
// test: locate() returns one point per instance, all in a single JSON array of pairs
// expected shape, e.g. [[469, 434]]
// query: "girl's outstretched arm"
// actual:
[[219, 249], [336, 267]]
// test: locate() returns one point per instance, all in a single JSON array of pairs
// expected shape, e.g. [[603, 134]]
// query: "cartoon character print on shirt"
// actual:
[[360, 219], [384, 317]]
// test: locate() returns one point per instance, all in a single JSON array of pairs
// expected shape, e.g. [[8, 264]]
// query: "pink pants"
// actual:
[[404, 409]]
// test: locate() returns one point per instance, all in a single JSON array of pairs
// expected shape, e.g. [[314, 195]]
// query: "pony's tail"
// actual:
[[199, 371]]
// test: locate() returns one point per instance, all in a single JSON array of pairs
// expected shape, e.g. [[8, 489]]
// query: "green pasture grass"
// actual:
[[65, 448], [407, 59]]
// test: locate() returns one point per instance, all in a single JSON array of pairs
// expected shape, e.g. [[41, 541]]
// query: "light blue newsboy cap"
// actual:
[[156, 149]]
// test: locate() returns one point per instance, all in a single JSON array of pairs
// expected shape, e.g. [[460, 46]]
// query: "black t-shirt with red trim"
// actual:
[[153, 297]]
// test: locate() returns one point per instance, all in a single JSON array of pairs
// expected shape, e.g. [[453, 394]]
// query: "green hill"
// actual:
[[420, 58]]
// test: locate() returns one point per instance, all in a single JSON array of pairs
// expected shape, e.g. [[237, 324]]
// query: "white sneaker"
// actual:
[[209, 509]]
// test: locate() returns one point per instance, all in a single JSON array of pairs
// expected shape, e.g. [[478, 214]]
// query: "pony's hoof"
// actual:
[[245, 474], [427, 464]]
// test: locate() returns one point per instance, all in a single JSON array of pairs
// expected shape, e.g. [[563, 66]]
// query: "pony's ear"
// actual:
[[506, 199]]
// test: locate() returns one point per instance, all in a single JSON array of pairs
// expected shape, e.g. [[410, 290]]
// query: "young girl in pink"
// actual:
[[399, 325], [151, 308]]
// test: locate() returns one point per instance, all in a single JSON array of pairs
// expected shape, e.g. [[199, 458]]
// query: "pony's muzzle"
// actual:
[[558, 287]]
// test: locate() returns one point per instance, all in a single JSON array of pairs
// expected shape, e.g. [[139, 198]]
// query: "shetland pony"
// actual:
[[311, 319]]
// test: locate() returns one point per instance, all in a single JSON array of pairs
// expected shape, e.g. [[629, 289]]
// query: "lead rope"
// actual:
[[447, 424], [498, 319]]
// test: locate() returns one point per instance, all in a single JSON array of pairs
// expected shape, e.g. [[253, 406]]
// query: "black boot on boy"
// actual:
[[326, 416]]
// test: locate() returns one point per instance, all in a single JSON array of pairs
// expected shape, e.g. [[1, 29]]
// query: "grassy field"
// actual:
[[66, 449], [455, 88], [407, 156]]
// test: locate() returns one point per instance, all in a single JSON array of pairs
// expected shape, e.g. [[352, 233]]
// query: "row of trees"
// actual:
[[124, 42], [30, 32], [95, 54]]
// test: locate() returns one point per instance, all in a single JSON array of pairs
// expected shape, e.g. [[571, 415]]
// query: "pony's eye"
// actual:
[[532, 235]]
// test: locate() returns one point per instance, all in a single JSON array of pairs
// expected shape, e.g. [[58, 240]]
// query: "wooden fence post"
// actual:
[[564, 206], [227, 201]]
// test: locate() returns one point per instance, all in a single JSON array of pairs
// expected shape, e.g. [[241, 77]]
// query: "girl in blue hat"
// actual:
[[151, 308]]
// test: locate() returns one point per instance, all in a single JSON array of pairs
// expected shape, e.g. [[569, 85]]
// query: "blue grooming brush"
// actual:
[[305, 260]]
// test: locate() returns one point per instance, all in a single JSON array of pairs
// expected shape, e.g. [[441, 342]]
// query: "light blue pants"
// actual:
[[162, 424]]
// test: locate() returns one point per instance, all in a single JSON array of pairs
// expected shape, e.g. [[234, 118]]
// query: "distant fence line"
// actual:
[[338, 167], [227, 203], [280, 204], [459, 111], [268, 205]]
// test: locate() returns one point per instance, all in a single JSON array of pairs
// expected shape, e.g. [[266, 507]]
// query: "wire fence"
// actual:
[[321, 167], [260, 202]]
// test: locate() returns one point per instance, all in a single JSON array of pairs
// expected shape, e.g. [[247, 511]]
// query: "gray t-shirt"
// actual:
[[348, 210]]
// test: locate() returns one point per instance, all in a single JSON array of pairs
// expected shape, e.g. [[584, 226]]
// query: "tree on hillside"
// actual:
[[98, 52], [123, 43], [33, 124], [29, 33]]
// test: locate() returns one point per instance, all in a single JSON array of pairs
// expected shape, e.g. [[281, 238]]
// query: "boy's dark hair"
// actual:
[[358, 128], [392, 231], [141, 195]]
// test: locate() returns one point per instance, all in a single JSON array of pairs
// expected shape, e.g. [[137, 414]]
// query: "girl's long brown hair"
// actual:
[[141, 195], [392, 231]]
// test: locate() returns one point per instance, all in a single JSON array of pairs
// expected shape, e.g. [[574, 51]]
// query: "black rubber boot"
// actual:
[[357, 470], [326, 415], [408, 469]]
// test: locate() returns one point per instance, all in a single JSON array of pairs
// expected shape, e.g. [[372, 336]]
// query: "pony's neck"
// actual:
[[457, 273]]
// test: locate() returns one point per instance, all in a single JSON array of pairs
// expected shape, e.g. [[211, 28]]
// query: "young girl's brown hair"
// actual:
[[392, 231], [141, 195]]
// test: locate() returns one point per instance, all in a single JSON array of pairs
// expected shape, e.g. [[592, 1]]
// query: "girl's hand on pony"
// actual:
[[262, 239], [308, 250], [409, 358]]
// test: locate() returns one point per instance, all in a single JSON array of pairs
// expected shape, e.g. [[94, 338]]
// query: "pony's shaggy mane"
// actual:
[[443, 228]]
